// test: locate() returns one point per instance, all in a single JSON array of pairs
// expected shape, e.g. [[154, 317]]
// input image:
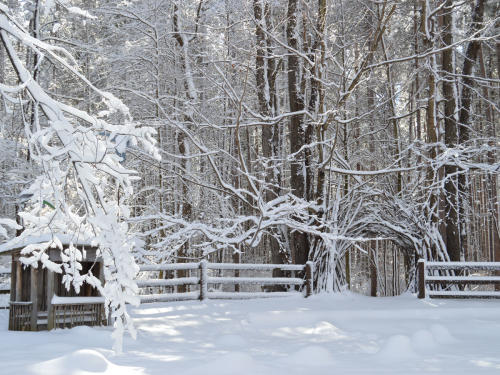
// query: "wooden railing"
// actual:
[[203, 280], [20, 316], [452, 279], [68, 312]]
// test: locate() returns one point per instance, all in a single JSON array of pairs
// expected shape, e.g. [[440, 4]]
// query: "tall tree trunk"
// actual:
[[264, 76], [182, 142], [450, 135], [299, 240], [467, 84], [430, 116]]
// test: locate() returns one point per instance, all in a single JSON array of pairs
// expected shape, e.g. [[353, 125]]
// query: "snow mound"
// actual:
[[397, 348], [229, 364], [442, 335], [311, 356], [81, 362], [423, 341], [232, 341], [327, 329]]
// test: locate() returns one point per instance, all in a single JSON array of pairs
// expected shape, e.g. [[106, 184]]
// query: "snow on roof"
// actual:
[[20, 242]]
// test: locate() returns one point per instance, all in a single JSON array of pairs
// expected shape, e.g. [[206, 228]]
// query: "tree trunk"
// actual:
[[299, 240], [465, 104], [453, 244], [264, 76]]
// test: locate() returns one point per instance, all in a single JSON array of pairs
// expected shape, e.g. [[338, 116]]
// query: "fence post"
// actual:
[[309, 278], [237, 259], [203, 280], [421, 278]]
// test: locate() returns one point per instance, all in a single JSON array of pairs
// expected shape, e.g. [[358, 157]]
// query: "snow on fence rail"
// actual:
[[445, 281], [203, 280]]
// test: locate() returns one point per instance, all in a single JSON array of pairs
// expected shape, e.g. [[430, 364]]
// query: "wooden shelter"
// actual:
[[38, 298]]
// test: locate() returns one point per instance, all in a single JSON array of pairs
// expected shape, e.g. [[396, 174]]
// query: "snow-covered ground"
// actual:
[[347, 334]]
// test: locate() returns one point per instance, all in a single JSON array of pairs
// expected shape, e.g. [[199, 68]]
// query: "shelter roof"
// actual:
[[23, 241]]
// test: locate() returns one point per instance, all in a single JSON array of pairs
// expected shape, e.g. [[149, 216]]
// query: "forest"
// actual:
[[360, 135]]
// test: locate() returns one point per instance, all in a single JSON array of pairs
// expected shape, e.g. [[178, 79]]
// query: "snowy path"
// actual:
[[321, 335]]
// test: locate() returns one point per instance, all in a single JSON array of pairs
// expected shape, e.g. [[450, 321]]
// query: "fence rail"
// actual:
[[457, 281], [203, 280]]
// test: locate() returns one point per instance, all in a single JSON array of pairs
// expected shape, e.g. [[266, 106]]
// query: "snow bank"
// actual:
[[397, 348], [423, 341], [229, 364], [311, 356], [81, 362], [442, 335], [321, 335]]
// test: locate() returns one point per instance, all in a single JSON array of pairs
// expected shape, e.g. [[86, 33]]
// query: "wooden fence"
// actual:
[[454, 277], [203, 280]]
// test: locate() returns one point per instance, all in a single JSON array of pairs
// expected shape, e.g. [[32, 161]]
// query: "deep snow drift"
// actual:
[[320, 335]]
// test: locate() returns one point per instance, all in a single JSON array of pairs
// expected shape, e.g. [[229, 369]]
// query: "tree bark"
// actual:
[[265, 67], [453, 244], [299, 240], [467, 84]]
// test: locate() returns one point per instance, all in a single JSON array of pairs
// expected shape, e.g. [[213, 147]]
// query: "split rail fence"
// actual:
[[450, 279], [203, 280]]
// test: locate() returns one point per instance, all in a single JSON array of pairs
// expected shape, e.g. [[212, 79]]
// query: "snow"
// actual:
[[91, 362], [64, 239], [168, 282], [167, 297], [256, 267], [256, 280], [326, 334], [463, 278], [168, 267], [80, 12], [221, 266], [462, 293], [397, 348], [462, 265], [56, 300]]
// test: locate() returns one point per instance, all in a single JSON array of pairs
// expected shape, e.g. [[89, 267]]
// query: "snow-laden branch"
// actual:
[[84, 186]]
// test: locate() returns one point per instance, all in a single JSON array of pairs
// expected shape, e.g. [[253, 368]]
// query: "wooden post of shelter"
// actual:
[[50, 294], [421, 278], [13, 279], [34, 298], [13, 283], [109, 320], [309, 278], [19, 280], [203, 280]]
